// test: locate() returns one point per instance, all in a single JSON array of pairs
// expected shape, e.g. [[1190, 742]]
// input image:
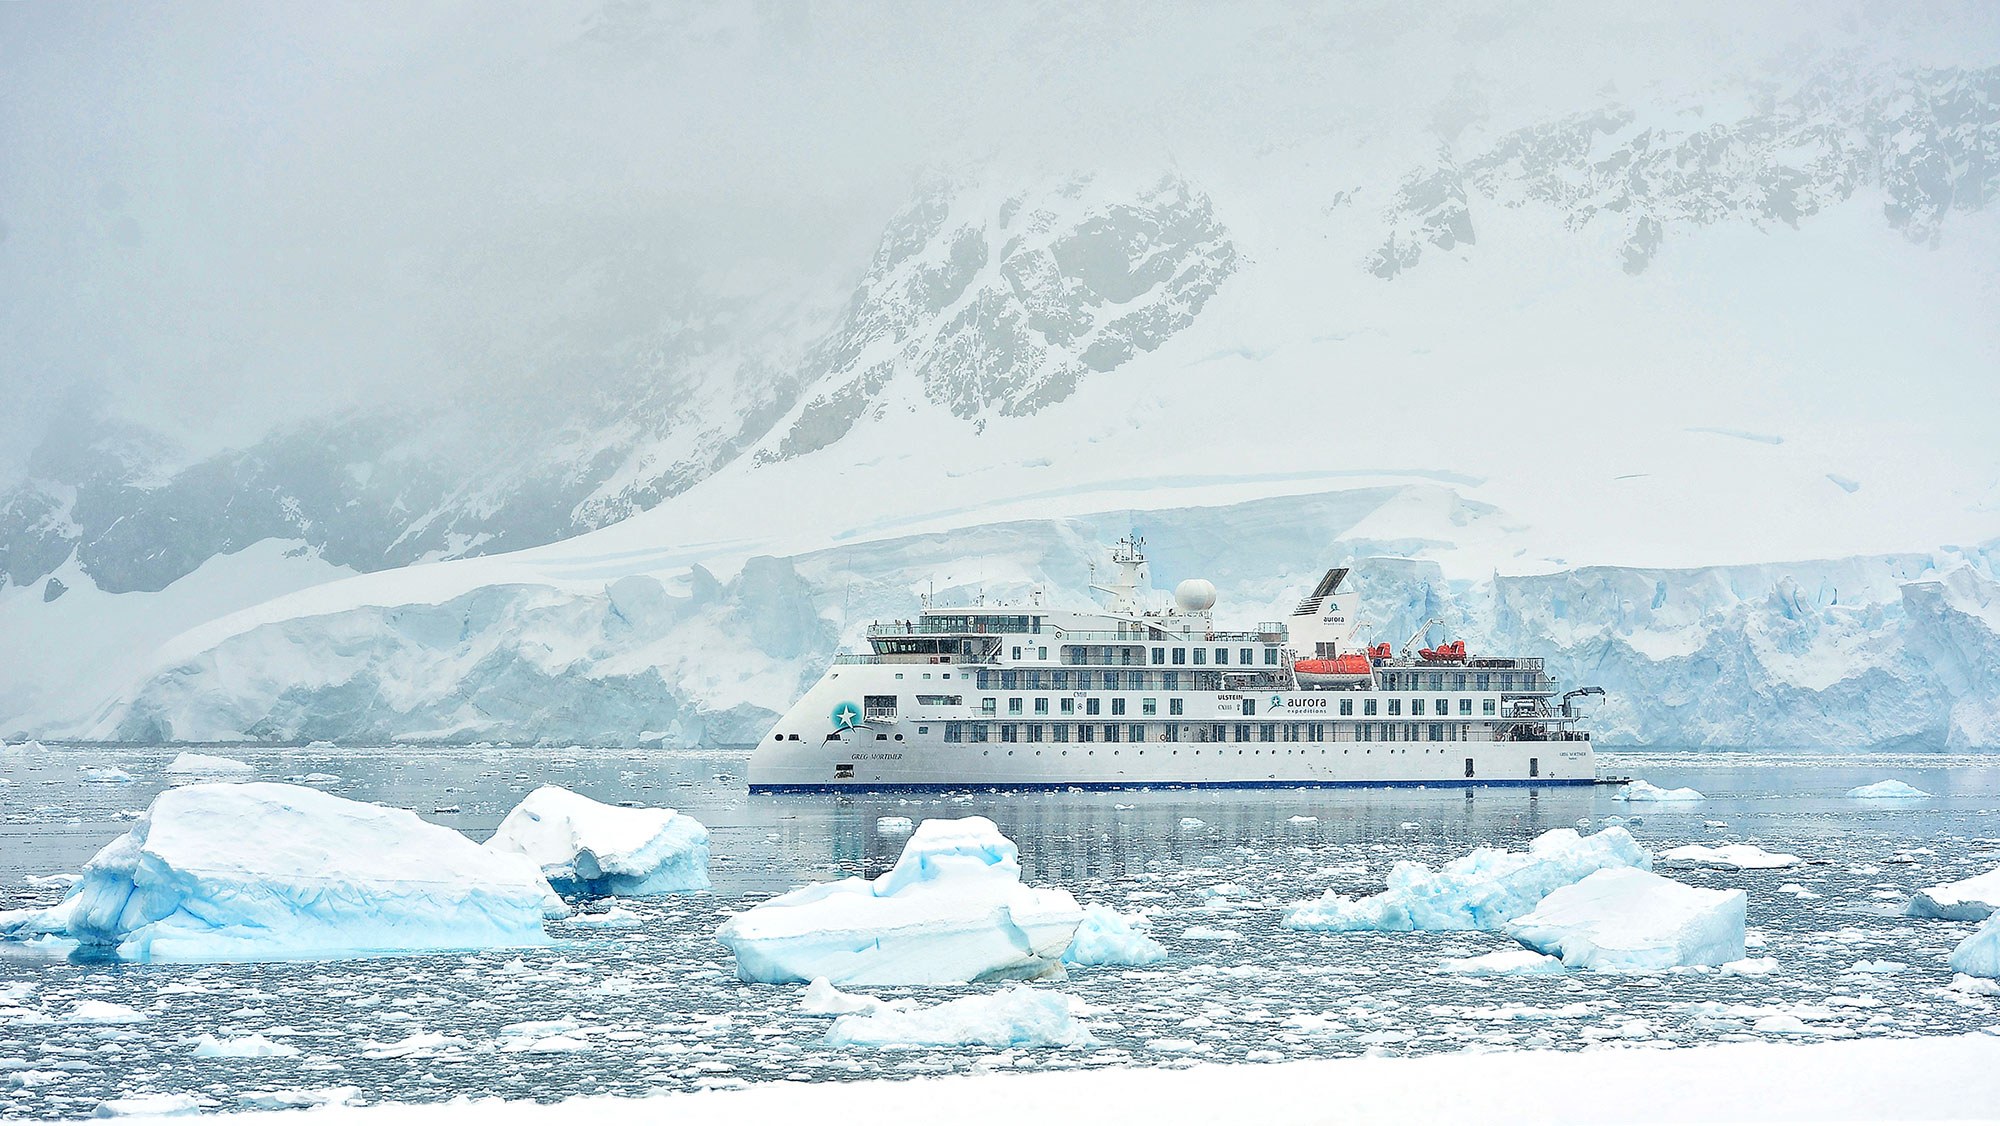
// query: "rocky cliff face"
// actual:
[[1928, 141]]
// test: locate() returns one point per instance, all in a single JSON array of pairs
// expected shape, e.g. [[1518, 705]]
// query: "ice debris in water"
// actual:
[[1629, 919], [1503, 963], [188, 762], [1888, 788], [1641, 790], [255, 1046], [1731, 857], [588, 848], [893, 826], [822, 999], [298, 1099], [261, 871], [1480, 891], [1107, 938], [103, 1012], [1018, 1016], [953, 909], [1979, 955], [148, 1106], [1967, 901], [106, 774]]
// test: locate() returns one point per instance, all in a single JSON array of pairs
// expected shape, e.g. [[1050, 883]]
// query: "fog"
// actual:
[[217, 217]]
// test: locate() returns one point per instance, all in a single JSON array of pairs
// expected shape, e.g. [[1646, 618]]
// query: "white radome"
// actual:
[[1194, 596]]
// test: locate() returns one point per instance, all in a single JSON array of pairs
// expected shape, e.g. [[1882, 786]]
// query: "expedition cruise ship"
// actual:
[[1028, 696]]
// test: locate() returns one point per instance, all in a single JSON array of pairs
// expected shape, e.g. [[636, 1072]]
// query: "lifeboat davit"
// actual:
[[1452, 652], [1333, 672]]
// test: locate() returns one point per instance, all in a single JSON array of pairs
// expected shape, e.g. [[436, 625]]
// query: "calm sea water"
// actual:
[[658, 1007]]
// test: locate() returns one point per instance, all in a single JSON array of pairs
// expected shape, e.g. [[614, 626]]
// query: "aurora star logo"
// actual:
[[1277, 701], [846, 716]]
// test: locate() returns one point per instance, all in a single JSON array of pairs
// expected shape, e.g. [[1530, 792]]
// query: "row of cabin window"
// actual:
[[1129, 655], [977, 732], [1093, 680], [1149, 705]]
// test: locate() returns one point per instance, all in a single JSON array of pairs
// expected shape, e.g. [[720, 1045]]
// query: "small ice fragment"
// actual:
[[1193, 823], [1302, 820], [103, 1012], [1019, 1016], [188, 762], [298, 1099], [613, 918], [822, 999], [1751, 967], [1642, 790], [149, 1106], [255, 1046], [1889, 789], [894, 826], [1731, 857], [106, 774], [1107, 938], [1503, 963]]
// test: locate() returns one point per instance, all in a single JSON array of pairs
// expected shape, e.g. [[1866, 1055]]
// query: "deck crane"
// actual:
[[1421, 630]]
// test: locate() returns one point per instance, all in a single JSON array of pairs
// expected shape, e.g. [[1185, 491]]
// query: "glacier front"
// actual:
[[263, 871], [953, 909]]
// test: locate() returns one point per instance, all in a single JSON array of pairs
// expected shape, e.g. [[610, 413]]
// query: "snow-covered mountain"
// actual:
[[1627, 350]]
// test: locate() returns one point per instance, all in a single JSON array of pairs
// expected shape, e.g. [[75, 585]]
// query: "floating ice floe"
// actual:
[[260, 871], [822, 999], [1967, 901], [894, 826], [1888, 789], [1107, 938], [953, 909], [255, 1046], [1503, 963], [1630, 919], [1731, 857], [1641, 790], [585, 847], [617, 918], [103, 1012], [1019, 1016], [298, 1099], [106, 774], [1481, 891], [1979, 955], [188, 762], [148, 1106]]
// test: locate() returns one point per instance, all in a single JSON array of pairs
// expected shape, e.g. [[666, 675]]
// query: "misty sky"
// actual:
[[232, 214]]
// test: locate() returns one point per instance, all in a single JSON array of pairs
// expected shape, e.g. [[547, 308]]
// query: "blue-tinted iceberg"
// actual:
[[1019, 1016], [1481, 891], [1629, 919], [1106, 938], [953, 909], [1979, 955], [585, 847], [262, 871], [1967, 901]]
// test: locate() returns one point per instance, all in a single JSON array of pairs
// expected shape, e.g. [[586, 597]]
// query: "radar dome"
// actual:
[[1194, 596]]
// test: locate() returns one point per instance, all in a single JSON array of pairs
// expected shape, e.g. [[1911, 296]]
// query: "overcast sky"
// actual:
[[232, 214]]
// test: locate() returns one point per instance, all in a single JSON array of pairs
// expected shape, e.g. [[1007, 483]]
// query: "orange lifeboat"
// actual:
[[1451, 653], [1330, 672], [1379, 652]]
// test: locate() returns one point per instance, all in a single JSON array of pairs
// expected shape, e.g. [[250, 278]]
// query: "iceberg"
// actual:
[[1966, 901], [188, 762], [1106, 938], [255, 1046], [1019, 1016], [1629, 919], [1477, 892], [1888, 789], [1641, 790], [1503, 963], [953, 909], [106, 774], [262, 871], [587, 848], [1730, 857], [1979, 955]]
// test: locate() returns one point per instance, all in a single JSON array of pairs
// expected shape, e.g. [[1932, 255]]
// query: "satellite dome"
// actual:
[[1194, 596]]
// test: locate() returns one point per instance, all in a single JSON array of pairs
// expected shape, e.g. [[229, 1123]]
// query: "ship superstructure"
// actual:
[[1122, 695]]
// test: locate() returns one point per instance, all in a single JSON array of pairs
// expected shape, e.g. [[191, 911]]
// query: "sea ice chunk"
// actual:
[[1019, 1016], [953, 909], [1503, 963], [585, 847], [188, 762], [103, 1012], [1979, 955], [1107, 938], [1887, 789], [1480, 891], [258, 871], [822, 999], [1641, 790], [1730, 857], [894, 826], [148, 1106], [106, 774], [255, 1046], [1629, 919], [298, 1098], [1968, 900]]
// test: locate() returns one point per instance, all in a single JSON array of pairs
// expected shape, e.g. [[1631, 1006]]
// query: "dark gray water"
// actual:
[[658, 1007]]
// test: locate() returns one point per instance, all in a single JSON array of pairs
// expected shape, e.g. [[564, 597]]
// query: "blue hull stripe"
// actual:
[[1266, 784]]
